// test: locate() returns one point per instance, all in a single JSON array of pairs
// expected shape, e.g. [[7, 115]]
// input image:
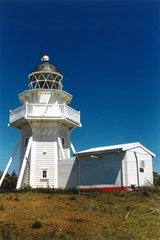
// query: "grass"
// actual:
[[127, 216]]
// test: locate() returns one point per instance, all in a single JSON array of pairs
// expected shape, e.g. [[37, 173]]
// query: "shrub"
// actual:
[[36, 224], [26, 188], [10, 182], [6, 235], [149, 191], [156, 179]]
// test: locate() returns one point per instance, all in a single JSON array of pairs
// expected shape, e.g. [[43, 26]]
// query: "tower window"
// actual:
[[44, 174]]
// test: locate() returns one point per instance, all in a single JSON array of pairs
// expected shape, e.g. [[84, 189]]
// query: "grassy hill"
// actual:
[[121, 215]]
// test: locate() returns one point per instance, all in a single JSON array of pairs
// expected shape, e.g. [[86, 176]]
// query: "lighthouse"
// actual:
[[45, 122]]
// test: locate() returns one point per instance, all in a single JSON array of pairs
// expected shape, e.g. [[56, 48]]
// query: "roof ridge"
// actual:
[[123, 147]]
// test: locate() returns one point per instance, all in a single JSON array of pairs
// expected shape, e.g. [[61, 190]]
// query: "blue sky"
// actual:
[[109, 55]]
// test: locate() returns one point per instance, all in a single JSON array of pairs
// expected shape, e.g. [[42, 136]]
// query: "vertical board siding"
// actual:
[[145, 177], [124, 169]]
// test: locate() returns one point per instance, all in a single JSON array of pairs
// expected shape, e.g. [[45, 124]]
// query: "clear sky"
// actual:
[[109, 55]]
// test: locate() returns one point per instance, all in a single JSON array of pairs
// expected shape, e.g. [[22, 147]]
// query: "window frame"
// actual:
[[141, 170], [42, 172], [142, 166]]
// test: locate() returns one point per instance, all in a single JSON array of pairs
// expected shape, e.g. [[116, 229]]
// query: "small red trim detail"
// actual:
[[44, 179], [105, 189]]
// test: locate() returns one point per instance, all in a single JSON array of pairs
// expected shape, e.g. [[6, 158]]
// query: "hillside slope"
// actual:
[[127, 216]]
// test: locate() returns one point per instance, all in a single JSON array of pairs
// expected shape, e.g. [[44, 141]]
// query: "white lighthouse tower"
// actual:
[[45, 121]]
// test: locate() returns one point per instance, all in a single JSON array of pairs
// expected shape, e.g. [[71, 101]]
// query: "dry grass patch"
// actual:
[[127, 216]]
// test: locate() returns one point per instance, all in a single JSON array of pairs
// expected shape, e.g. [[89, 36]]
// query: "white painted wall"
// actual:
[[45, 153], [42, 96], [64, 133], [124, 169], [145, 177], [94, 172], [105, 171], [67, 173], [111, 170]]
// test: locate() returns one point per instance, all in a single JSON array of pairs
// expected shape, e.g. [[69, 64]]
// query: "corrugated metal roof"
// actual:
[[115, 148]]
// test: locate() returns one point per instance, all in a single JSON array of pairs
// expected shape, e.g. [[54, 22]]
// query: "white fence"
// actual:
[[17, 113], [29, 110]]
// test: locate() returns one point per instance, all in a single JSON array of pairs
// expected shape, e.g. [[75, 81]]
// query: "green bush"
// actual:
[[156, 178], [9, 183]]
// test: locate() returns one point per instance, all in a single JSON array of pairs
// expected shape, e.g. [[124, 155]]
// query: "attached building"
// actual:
[[108, 168]]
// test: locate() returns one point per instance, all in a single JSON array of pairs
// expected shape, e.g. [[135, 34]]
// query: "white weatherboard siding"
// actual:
[[67, 173], [145, 177], [44, 152], [45, 155], [45, 160]]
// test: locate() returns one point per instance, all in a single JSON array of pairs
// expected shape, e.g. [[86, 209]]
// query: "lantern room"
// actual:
[[45, 76]]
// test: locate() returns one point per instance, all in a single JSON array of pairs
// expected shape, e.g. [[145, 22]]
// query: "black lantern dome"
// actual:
[[45, 76]]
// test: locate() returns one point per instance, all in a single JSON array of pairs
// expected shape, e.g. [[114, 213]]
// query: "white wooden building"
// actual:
[[45, 122], [109, 168]]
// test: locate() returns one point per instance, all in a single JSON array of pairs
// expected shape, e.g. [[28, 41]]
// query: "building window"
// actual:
[[142, 166], [44, 174]]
